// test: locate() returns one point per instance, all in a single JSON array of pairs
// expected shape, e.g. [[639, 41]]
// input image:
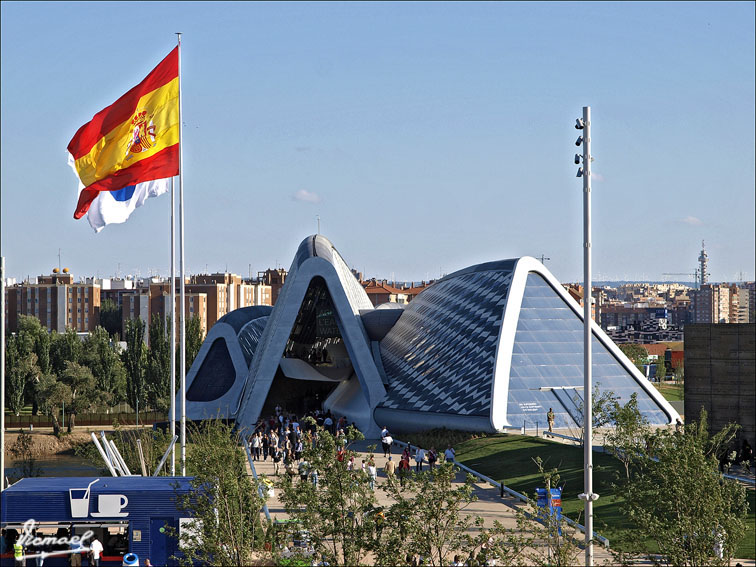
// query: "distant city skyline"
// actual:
[[425, 137]]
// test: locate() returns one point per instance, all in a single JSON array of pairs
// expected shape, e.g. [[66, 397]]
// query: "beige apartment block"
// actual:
[[56, 301]]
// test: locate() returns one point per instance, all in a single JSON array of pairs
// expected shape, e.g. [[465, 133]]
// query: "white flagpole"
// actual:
[[182, 299], [173, 326]]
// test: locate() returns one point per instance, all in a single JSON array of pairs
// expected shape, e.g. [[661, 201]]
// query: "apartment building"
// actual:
[[739, 304], [711, 304], [56, 301], [275, 279], [207, 296]]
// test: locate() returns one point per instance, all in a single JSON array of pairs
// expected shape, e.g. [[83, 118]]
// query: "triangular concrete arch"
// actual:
[[316, 258]]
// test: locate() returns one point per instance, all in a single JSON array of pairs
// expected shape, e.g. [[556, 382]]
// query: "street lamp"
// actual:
[[584, 171]]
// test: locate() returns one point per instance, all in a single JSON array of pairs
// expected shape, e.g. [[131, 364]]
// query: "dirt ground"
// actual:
[[45, 444]]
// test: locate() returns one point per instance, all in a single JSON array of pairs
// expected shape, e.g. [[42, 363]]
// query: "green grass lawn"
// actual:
[[509, 459], [671, 392]]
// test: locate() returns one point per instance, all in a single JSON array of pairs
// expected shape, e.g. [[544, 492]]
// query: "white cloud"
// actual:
[[306, 197], [692, 221]]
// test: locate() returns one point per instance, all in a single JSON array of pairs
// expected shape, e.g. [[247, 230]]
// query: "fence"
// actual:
[[85, 419]]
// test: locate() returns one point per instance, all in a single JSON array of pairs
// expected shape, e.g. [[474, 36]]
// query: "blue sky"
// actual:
[[426, 136]]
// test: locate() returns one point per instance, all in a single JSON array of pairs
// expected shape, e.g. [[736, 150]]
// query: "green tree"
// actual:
[[32, 338], [225, 504], [53, 395], [84, 392], [134, 360], [23, 450], [111, 317], [36, 339], [557, 542], [627, 441], [27, 367], [21, 373], [679, 370], [101, 356], [434, 526], [338, 513], [427, 517], [603, 404], [678, 499], [636, 353], [64, 347], [15, 380], [194, 340], [158, 372], [154, 444]]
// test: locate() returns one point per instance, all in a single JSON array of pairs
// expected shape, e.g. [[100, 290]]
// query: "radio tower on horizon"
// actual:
[[703, 259]]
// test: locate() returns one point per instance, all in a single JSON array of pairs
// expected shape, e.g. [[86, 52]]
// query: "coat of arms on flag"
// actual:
[[129, 151]]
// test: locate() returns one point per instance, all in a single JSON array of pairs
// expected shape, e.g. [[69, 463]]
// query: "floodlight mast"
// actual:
[[588, 494]]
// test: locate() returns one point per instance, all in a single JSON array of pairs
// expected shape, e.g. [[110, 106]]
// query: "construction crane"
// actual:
[[695, 275]]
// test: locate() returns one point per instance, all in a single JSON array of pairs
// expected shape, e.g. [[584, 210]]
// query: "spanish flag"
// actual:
[[132, 141]]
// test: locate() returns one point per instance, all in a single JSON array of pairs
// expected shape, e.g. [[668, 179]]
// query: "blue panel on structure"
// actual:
[[162, 546]]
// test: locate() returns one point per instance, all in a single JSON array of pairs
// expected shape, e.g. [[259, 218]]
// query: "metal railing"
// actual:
[[503, 488]]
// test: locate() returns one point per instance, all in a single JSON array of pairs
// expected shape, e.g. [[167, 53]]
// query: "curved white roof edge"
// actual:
[[503, 360], [316, 257]]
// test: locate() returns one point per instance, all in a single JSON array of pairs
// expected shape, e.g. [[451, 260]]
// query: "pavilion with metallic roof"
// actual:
[[487, 348]]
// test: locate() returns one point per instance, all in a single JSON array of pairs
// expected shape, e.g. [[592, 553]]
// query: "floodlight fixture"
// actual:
[[577, 159], [579, 124], [580, 172], [579, 141]]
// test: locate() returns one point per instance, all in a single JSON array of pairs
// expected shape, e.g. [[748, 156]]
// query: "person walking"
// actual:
[[550, 419], [449, 454], [432, 458], [372, 473], [404, 468], [265, 447], [419, 458], [255, 443], [390, 468], [386, 441]]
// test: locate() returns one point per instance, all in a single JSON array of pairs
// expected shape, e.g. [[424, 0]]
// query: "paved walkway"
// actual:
[[489, 505]]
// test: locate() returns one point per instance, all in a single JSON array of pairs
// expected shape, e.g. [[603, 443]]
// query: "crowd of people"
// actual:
[[283, 437]]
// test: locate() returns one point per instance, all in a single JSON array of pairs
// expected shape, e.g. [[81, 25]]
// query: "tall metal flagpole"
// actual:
[[587, 494], [2, 373], [182, 298], [173, 326]]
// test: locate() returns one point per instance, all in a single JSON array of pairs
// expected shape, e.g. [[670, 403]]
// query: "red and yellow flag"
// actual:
[[133, 140]]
